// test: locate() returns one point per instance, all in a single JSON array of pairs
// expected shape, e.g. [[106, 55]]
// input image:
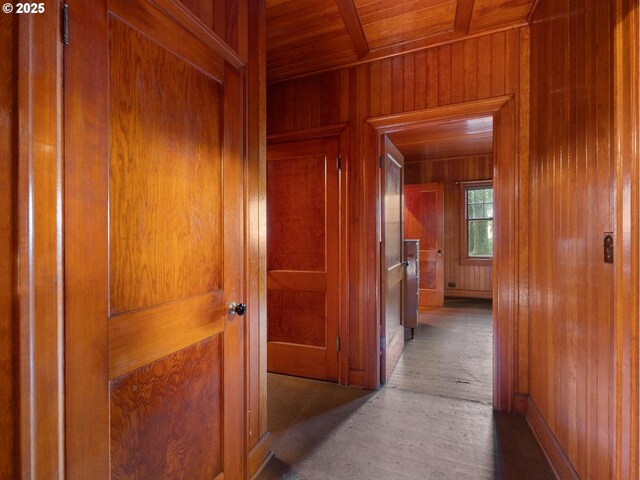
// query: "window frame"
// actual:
[[464, 257]]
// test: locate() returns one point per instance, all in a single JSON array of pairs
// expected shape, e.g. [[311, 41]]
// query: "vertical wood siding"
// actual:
[[572, 185], [488, 66], [7, 246]]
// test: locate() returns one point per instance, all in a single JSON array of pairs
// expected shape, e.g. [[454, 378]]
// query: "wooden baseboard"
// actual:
[[356, 378], [467, 293], [259, 456], [552, 450], [520, 402]]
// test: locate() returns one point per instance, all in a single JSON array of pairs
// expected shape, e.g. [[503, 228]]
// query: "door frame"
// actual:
[[339, 130], [510, 320]]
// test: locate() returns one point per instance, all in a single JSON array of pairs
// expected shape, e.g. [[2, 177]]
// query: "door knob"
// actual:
[[405, 263], [439, 253], [238, 308]]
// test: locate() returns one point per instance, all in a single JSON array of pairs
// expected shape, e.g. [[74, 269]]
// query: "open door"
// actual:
[[391, 258], [424, 220], [154, 247], [303, 280]]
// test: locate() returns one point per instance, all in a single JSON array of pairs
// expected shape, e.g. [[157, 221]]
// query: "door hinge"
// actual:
[[383, 343], [338, 343], [339, 162], [65, 23], [381, 161]]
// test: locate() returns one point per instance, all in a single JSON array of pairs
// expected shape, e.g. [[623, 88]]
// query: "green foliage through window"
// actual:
[[479, 217]]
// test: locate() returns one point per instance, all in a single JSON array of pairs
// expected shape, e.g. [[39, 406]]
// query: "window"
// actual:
[[478, 220]]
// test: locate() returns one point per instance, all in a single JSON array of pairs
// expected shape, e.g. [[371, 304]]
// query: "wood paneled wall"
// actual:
[[7, 247], [227, 18], [474, 69], [575, 398], [471, 280]]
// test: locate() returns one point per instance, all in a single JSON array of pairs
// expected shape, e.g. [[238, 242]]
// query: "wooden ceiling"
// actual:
[[446, 139], [306, 36]]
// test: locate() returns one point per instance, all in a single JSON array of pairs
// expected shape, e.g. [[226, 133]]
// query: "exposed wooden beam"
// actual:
[[464, 11], [354, 27]]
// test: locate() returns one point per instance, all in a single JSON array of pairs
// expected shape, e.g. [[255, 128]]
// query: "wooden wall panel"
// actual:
[[182, 389], [7, 250], [435, 77], [222, 18], [308, 102], [572, 208], [626, 151], [469, 279]]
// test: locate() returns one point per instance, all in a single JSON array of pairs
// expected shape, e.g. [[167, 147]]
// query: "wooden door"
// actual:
[[392, 267], [154, 247], [424, 220], [302, 258]]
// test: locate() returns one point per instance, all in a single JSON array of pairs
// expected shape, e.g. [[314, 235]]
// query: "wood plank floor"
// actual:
[[433, 420]]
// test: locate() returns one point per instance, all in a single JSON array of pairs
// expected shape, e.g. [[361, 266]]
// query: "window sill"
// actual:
[[477, 262]]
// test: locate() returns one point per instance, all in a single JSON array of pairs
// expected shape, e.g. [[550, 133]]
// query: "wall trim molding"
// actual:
[[484, 294], [307, 134], [551, 448], [259, 456]]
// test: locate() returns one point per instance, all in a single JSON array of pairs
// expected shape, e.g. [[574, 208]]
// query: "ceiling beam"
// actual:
[[464, 11], [351, 20]]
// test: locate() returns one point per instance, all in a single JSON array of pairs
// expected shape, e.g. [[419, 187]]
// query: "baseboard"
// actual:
[[468, 293], [520, 402], [259, 456], [356, 378], [552, 450]]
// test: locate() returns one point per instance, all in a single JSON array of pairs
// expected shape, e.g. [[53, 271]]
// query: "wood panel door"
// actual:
[[302, 258], [424, 220], [392, 258], [154, 246]]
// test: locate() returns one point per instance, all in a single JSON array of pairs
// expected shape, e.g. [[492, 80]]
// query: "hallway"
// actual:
[[433, 419]]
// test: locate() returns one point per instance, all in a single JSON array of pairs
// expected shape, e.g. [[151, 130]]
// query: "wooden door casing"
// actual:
[[391, 257], [167, 248], [424, 220], [303, 277]]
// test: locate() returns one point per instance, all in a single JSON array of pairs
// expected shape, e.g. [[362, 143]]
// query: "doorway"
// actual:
[[448, 211], [305, 248], [505, 263]]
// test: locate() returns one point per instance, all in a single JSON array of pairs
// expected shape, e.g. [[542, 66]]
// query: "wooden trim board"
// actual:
[[555, 455], [259, 456]]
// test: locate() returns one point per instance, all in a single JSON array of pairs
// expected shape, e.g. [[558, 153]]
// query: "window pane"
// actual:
[[477, 196], [471, 196], [480, 240], [488, 210], [488, 195], [475, 211]]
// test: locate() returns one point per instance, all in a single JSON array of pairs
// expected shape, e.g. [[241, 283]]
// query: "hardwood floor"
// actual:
[[451, 354], [433, 420]]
